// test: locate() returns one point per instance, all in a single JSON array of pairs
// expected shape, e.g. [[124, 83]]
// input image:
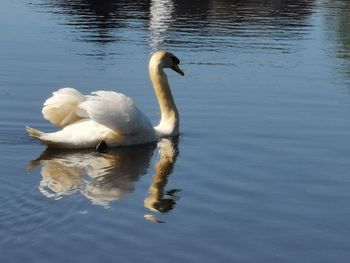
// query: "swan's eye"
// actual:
[[175, 60]]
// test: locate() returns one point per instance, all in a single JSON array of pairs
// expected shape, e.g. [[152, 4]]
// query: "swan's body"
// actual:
[[110, 117]]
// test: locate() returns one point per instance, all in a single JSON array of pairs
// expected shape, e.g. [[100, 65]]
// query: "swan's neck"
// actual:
[[169, 123]]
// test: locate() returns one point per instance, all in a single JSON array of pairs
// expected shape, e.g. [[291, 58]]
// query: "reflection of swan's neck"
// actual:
[[156, 202], [169, 124]]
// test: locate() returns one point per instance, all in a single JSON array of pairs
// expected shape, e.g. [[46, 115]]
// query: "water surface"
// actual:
[[260, 172]]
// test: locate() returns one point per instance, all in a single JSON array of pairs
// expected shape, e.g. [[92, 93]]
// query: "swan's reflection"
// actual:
[[103, 178], [156, 201]]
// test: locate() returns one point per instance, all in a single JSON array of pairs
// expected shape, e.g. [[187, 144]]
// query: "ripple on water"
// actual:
[[263, 160]]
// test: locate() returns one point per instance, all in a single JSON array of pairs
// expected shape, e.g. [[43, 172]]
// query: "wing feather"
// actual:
[[60, 109], [115, 111]]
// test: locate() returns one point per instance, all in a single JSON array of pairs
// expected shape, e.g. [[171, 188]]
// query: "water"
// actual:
[[260, 172]]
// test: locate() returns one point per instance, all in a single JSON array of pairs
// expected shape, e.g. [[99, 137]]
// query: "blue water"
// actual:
[[260, 172]]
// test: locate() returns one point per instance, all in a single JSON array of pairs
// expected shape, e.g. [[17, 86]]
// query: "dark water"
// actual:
[[260, 172]]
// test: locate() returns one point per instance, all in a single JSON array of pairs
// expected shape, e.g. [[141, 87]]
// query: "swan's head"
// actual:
[[164, 59]]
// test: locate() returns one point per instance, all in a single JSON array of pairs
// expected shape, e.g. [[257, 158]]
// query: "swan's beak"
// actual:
[[176, 68]]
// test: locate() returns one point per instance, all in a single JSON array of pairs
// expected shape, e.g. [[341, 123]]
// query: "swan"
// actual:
[[110, 119]]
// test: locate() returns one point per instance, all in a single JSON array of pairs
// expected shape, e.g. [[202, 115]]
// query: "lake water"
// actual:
[[260, 172]]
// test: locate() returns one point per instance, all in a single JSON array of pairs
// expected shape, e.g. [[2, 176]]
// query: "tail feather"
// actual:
[[33, 132]]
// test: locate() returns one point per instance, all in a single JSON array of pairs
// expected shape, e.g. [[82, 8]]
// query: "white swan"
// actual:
[[107, 118]]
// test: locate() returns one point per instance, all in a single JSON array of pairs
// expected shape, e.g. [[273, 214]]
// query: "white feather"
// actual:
[[60, 108], [115, 111]]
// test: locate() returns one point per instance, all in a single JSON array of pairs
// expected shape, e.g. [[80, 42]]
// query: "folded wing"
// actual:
[[115, 111], [60, 109]]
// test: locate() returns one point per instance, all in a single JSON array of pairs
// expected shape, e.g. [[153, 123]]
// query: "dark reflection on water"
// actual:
[[103, 178], [168, 21], [96, 20], [338, 20]]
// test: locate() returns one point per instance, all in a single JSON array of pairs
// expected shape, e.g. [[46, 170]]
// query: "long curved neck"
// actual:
[[169, 123]]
